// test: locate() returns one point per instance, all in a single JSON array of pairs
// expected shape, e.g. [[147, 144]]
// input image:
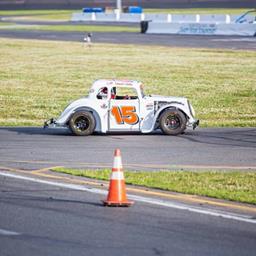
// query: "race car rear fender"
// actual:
[[161, 110]]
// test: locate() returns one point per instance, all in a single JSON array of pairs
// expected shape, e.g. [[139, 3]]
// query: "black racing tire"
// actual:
[[82, 123], [172, 122]]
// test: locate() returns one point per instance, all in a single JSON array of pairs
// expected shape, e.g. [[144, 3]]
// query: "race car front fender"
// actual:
[[63, 119]]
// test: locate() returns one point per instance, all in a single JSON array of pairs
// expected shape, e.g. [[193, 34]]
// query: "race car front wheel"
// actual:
[[172, 122], [82, 123]]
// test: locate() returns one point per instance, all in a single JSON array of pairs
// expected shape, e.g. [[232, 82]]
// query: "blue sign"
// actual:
[[94, 9]]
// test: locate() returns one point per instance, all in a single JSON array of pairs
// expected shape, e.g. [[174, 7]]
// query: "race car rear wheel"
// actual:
[[82, 123], [172, 122]]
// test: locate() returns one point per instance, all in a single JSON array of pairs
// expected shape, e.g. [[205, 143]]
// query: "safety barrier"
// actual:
[[111, 17], [169, 18], [78, 17], [105, 17], [130, 17], [200, 28], [179, 24], [156, 17]]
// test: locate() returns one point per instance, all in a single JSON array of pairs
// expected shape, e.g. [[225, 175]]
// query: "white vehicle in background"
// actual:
[[121, 106]]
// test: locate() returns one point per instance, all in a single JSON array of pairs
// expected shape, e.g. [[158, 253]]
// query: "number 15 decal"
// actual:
[[125, 114]]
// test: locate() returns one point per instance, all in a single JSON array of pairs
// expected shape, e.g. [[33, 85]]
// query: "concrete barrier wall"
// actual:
[[178, 24], [105, 17], [201, 29], [156, 17], [130, 17], [175, 18], [204, 18], [111, 17], [81, 17]]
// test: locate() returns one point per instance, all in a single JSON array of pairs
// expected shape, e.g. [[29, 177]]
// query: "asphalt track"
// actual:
[[225, 42], [43, 219], [194, 41], [216, 148]]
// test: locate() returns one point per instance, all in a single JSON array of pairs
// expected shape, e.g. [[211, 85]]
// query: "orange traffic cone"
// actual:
[[117, 191]]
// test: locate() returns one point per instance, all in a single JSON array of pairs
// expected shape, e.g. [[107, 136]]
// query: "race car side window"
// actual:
[[126, 93], [102, 93]]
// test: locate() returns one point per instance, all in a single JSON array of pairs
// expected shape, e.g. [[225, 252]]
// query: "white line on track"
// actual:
[[252, 39], [148, 200], [8, 233]]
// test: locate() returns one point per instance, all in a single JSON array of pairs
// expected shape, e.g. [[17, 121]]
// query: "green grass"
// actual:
[[6, 24], [234, 186], [58, 15], [39, 78]]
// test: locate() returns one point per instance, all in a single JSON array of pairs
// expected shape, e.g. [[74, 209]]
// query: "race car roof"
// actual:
[[116, 82]]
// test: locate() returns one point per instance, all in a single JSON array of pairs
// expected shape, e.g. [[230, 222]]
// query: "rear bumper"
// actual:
[[51, 123], [195, 124]]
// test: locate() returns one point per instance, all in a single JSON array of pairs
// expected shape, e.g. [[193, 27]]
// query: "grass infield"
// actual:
[[44, 15], [39, 78], [234, 186]]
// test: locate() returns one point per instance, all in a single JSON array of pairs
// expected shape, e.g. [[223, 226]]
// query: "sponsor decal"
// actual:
[[124, 82], [150, 106], [207, 29], [103, 105]]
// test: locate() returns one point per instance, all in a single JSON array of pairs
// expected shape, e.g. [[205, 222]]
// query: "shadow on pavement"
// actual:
[[67, 132], [17, 197], [236, 137], [38, 131]]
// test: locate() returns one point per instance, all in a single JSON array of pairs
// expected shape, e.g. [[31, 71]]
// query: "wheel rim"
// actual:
[[82, 123], [172, 122]]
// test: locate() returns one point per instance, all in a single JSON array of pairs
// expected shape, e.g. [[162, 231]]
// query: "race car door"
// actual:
[[124, 110]]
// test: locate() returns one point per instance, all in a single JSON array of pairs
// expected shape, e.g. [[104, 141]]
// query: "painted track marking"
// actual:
[[152, 201], [5, 232], [132, 165], [183, 197]]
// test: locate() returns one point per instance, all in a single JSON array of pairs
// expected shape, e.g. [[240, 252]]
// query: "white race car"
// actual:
[[121, 106]]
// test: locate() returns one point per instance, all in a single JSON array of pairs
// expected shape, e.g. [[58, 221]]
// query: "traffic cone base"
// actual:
[[117, 204]]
